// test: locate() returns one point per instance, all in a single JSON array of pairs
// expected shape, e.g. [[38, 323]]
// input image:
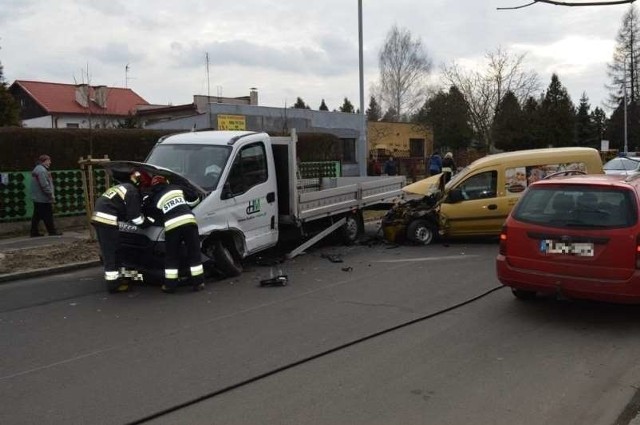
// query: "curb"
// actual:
[[10, 277]]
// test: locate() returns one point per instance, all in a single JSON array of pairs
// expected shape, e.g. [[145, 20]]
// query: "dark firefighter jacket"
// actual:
[[121, 202], [175, 203]]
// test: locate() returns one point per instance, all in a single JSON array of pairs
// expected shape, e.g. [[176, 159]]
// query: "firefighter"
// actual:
[[179, 226], [118, 203]]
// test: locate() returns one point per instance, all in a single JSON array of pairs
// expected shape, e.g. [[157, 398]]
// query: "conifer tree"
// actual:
[[558, 114], [374, 112]]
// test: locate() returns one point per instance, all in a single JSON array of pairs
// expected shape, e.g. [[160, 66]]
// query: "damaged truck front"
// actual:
[[251, 195]]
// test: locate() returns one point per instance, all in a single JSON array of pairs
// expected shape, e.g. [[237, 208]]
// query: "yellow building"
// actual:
[[399, 139]]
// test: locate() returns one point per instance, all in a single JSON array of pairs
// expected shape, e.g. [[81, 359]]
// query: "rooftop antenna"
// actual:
[[126, 76]]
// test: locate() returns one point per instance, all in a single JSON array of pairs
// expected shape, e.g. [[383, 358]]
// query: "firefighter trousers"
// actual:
[[187, 234], [108, 239]]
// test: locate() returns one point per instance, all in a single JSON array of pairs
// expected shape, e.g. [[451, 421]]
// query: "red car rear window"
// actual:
[[577, 206]]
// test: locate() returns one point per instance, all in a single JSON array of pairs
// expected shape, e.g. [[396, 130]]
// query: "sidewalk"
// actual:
[[27, 242]]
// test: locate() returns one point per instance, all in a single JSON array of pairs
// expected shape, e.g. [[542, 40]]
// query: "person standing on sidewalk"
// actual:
[[180, 226], [121, 202], [43, 197]]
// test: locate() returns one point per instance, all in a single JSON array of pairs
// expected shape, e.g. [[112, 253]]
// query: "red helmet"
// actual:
[[140, 178], [158, 180]]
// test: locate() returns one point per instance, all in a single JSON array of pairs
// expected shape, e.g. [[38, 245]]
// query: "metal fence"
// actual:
[[15, 193]]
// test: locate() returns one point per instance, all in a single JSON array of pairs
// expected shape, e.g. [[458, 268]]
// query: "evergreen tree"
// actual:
[[558, 114], [447, 114], [347, 106], [300, 104], [391, 115], [323, 106], [615, 132], [532, 125], [508, 124], [9, 108], [374, 112], [599, 122], [584, 127]]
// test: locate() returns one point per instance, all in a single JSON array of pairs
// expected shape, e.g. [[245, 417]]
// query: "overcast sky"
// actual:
[[290, 48]]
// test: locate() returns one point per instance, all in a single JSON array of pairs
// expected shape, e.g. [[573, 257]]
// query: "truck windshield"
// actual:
[[202, 164]]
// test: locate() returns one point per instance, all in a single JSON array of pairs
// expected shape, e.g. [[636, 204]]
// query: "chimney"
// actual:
[[253, 96], [100, 93], [82, 94]]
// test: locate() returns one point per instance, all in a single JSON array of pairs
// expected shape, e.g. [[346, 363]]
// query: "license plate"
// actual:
[[581, 249]]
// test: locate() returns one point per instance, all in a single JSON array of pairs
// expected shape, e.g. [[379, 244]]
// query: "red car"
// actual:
[[577, 237]]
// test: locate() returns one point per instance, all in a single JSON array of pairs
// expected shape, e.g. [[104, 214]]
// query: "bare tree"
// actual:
[[483, 89], [623, 70], [404, 66]]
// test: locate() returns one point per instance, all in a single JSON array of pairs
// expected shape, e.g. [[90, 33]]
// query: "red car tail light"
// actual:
[[503, 243], [638, 252]]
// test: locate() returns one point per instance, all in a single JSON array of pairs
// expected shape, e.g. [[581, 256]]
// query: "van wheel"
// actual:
[[352, 228], [421, 232], [523, 294], [225, 261]]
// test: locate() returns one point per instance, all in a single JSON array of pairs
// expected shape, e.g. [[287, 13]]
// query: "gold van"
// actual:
[[478, 199]]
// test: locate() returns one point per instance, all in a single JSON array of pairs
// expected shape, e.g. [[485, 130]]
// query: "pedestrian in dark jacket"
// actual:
[[448, 166], [118, 203], [390, 167], [43, 197], [435, 164], [180, 226]]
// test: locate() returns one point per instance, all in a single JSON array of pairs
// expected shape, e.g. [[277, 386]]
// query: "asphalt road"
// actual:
[[405, 335]]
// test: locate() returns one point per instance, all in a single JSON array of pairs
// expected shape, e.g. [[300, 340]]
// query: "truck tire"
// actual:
[[225, 261], [421, 232], [352, 228]]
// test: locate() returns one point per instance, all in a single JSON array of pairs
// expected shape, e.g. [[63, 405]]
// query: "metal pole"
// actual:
[[362, 145], [624, 99]]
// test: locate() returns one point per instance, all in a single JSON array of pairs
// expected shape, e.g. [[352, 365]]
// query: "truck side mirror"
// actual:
[[455, 195], [226, 191]]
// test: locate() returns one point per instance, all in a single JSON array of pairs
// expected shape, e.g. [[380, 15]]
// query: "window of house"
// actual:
[[73, 125], [349, 150], [416, 148]]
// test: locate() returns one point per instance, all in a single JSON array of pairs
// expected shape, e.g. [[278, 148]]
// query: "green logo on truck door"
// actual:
[[254, 206]]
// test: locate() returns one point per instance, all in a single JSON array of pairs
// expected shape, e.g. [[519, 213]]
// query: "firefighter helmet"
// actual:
[[159, 180]]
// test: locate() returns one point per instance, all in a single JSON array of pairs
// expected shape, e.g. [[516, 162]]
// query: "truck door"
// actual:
[[249, 195]]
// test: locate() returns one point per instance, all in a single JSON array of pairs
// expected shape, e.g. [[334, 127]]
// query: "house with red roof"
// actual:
[[57, 105]]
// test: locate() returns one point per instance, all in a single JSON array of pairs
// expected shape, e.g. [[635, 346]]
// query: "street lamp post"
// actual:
[[624, 97], [362, 145]]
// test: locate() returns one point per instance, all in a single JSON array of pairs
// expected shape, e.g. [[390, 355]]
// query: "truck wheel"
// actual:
[[225, 261], [352, 228], [421, 232]]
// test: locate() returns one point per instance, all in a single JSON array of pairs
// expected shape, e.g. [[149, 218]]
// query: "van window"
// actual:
[[249, 168], [577, 206], [480, 186], [517, 179]]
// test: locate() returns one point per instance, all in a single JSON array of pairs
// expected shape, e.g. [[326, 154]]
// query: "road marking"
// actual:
[[414, 260]]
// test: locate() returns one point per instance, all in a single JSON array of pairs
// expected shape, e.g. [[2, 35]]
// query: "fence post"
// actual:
[[89, 186]]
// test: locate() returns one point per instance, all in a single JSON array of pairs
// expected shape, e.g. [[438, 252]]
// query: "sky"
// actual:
[[292, 48]]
